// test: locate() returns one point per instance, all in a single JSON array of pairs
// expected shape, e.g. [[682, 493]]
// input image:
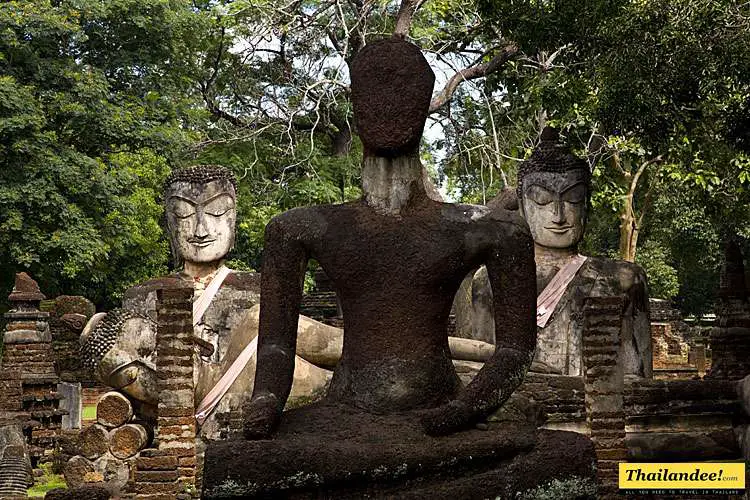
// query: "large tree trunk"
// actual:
[[630, 223]]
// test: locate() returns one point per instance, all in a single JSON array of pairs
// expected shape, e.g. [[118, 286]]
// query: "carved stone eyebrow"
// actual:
[[575, 185], [218, 195], [553, 189], [539, 185], [188, 200], [194, 202]]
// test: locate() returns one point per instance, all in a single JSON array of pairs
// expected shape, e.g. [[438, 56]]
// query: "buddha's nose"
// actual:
[[201, 228], [558, 212]]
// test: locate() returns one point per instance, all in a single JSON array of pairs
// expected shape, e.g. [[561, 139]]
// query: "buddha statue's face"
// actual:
[[554, 205], [201, 219]]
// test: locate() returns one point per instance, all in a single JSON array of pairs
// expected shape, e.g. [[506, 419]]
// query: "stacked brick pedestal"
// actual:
[[322, 304], [730, 338], [603, 385], [168, 471], [28, 391]]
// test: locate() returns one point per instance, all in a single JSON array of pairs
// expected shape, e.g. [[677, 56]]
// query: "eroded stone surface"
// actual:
[[396, 259], [390, 124], [316, 447], [25, 289]]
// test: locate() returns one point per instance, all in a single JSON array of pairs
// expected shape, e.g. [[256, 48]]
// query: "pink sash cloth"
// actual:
[[553, 292], [225, 382]]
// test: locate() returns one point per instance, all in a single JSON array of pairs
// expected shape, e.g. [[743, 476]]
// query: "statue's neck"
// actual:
[[199, 270], [547, 258], [391, 184]]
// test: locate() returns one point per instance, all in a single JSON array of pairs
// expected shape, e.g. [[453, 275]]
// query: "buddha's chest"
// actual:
[[419, 251]]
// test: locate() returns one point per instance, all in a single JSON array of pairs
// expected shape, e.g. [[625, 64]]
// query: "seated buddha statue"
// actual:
[[396, 258], [395, 410], [553, 196], [120, 346]]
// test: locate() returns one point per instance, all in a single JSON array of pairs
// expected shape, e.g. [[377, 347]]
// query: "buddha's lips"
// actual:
[[559, 229], [201, 243]]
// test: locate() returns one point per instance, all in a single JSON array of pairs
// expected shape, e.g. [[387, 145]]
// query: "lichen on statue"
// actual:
[[553, 195], [119, 346], [396, 258]]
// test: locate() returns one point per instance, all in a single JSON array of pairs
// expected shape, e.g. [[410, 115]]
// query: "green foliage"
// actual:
[[89, 412], [659, 84], [99, 100], [87, 128], [662, 277]]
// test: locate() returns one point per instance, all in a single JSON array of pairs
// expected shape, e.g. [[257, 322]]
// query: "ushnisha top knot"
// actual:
[[201, 174], [551, 156]]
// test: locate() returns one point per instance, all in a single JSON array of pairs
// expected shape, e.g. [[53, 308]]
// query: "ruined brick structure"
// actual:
[[28, 391], [169, 469], [321, 303], [679, 420], [68, 315], [730, 338], [603, 384]]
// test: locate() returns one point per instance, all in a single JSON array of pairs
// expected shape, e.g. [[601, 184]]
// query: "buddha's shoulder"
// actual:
[[625, 274], [309, 220], [243, 280], [481, 215]]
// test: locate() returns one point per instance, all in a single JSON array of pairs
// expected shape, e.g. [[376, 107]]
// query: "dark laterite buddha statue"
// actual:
[[396, 259]]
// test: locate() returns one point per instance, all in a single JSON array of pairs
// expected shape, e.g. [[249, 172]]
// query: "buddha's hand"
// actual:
[[447, 419], [260, 417]]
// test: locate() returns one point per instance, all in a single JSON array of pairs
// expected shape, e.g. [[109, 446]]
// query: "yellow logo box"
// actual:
[[695, 475]]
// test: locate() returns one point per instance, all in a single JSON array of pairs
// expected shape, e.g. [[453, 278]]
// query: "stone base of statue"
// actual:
[[327, 451]]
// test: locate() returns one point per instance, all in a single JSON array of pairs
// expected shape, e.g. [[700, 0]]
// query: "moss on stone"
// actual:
[[566, 489]]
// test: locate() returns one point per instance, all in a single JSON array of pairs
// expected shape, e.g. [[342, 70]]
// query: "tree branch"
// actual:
[[404, 17], [216, 111], [217, 61], [641, 169], [507, 53]]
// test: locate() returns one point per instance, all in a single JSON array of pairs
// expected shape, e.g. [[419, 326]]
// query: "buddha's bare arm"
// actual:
[[512, 274], [282, 275]]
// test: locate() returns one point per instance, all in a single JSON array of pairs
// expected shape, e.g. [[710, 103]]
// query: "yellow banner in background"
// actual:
[[682, 476]]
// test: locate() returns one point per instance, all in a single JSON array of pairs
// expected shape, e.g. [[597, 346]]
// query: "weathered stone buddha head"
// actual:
[[554, 187], [119, 347], [200, 206], [391, 91]]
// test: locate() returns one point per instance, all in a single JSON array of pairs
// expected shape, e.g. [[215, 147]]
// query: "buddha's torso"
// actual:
[[396, 277], [559, 344], [222, 327]]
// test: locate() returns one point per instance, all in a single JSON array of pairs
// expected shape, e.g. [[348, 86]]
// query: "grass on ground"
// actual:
[[89, 412], [45, 483]]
